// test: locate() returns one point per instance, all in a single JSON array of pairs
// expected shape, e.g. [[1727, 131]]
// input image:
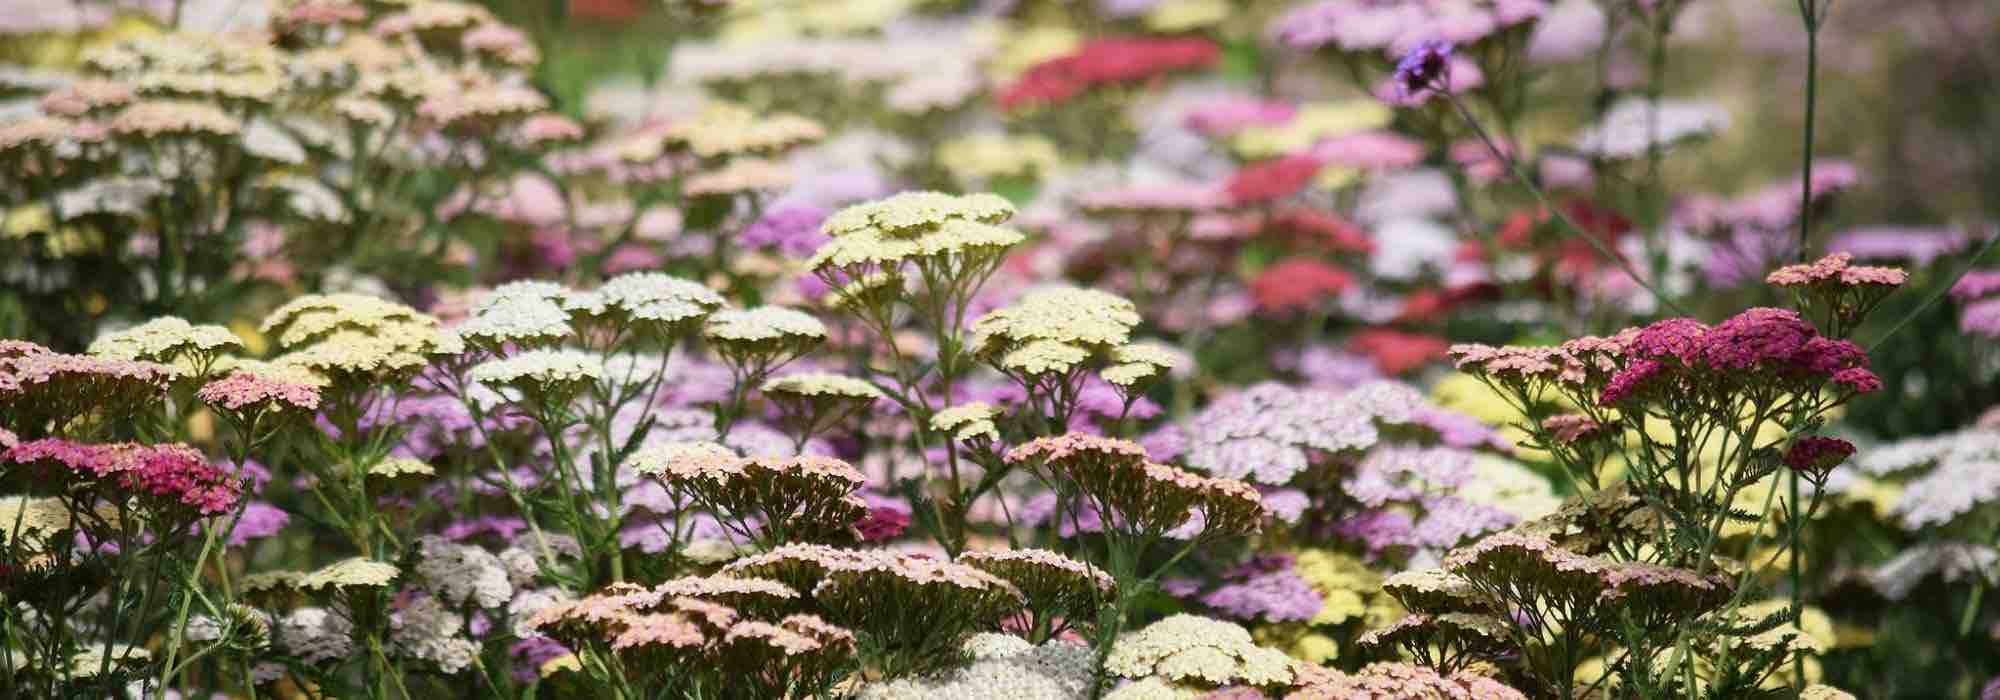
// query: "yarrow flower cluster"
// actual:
[[1198, 652], [1136, 496], [172, 476], [1105, 62], [1269, 433]]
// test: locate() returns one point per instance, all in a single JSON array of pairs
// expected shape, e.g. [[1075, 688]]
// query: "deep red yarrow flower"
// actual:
[[1104, 62], [1271, 179], [174, 473], [1298, 283], [882, 524], [1396, 352], [1818, 455], [1325, 228]]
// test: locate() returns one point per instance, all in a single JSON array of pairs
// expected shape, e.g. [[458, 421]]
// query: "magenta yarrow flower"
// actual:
[[174, 473]]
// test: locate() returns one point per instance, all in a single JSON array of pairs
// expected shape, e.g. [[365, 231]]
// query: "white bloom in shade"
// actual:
[[87, 663], [425, 630], [1623, 132], [316, 635], [461, 574], [516, 320], [993, 645], [763, 324], [1154, 688], [1001, 670], [401, 466], [1895, 578], [540, 367]]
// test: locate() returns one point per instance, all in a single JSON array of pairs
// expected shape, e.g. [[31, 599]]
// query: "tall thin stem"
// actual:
[[1812, 16], [1514, 168]]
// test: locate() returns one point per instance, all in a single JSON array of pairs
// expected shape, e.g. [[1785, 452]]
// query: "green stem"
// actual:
[[1514, 168]]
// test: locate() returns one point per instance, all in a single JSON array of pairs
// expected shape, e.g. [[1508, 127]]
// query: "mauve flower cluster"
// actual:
[[176, 475], [1270, 432], [1981, 313], [1272, 596], [1396, 27]]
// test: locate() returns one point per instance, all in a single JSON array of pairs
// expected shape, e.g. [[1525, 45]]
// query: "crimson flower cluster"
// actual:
[[1759, 343], [1105, 62], [1814, 455]]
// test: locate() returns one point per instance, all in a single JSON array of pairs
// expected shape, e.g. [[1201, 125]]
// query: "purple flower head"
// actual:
[[1422, 67], [1279, 596], [792, 230]]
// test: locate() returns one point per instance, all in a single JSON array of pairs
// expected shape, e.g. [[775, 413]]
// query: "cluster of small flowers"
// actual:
[[1001, 667], [174, 475], [1389, 680], [1270, 433], [1981, 314], [1959, 479], [808, 498], [1140, 496], [1356, 25], [1104, 62], [164, 339], [40, 389], [240, 390], [1197, 652], [1052, 584]]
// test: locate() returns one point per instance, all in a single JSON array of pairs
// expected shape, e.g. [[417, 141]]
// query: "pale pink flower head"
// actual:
[[550, 128], [247, 389], [86, 96], [1836, 269]]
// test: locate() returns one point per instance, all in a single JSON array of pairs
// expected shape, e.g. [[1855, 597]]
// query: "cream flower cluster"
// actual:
[[356, 334], [349, 573], [1054, 329], [540, 369], [954, 233], [163, 339], [1003, 668], [1189, 649], [968, 421], [822, 385], [726, 129]]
